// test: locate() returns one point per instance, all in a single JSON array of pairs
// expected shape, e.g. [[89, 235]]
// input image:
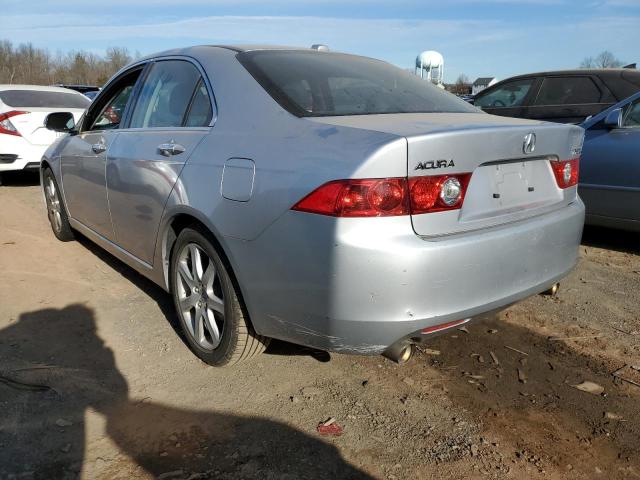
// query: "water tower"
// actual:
[[431, 66]]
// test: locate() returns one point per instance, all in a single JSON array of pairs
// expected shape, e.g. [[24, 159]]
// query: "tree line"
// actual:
[[27, 64]]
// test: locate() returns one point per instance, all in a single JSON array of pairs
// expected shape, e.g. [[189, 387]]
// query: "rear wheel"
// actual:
[[205, 298], [56, 210]]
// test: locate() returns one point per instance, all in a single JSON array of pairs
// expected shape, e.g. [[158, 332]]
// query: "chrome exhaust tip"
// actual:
[[553, 291], [400, 352]]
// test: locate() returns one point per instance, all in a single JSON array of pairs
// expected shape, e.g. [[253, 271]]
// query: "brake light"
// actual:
[[566, 172], [380, 197], [383, 197], [6, 126]]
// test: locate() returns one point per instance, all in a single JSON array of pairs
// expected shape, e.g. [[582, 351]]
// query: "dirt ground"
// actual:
[[95, 381]]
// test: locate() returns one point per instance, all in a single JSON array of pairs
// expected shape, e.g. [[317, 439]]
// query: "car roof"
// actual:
[[37, 88], [614, 72], [250, 47], [197, 50]]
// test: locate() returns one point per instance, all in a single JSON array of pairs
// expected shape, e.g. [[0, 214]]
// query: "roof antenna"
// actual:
[[320, 47]]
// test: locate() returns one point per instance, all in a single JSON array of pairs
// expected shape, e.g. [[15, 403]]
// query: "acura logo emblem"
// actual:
[[529, 144]]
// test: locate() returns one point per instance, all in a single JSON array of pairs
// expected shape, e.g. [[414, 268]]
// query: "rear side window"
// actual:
[[567, 91], [199, 114], [309, 83], [36, 99], [510, 94], [166, 95]]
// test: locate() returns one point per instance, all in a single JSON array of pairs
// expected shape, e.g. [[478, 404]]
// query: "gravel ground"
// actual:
[[95, 381]]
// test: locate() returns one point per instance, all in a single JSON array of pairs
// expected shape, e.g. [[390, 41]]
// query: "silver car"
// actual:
[[325, 199]]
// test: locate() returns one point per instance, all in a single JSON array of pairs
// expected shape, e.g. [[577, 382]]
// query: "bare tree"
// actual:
[[27, 64], [462, 85], [604, 59]]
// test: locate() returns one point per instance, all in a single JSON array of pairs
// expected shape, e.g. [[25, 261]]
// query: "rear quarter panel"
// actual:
[[292, 156]]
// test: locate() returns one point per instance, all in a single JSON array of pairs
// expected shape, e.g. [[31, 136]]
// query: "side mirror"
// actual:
[[60, 122], [613, 119]]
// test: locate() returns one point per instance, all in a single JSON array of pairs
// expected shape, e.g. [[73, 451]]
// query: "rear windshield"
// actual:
[[36, 99], [312, 84]]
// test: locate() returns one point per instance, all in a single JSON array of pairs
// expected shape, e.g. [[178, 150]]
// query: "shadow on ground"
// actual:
[[611, 239], [165, 303], [19, 179], [54, 366], [520, 386]]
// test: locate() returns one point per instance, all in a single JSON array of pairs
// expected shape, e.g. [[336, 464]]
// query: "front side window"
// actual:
[[308, 83], [510, 94], [567, 91], [166, 95], [111, 105], [632, 115]]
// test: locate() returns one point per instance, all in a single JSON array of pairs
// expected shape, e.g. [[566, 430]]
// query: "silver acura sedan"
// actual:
[[325, 199]]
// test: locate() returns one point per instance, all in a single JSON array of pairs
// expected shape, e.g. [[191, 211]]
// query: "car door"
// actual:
[[610, 167], [506, 99], [84, 158], [171, 114], [566, 99]]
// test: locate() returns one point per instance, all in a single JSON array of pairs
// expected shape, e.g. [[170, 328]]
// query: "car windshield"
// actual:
[[311, 84], [43, 99]]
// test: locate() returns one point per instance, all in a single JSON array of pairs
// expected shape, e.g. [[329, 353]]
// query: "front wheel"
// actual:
[[56, 210], [211, 316]]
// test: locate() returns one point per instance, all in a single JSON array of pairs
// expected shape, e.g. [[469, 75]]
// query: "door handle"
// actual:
[[169, 149], [98, 147]]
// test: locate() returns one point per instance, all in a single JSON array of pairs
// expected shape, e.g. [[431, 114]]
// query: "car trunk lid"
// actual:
[[508, 182], [31, 127]]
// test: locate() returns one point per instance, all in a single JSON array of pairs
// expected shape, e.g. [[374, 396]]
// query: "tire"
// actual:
[[211, 315], [56, 209]]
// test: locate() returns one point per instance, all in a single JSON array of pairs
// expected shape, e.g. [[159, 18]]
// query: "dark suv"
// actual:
[[565, 96]]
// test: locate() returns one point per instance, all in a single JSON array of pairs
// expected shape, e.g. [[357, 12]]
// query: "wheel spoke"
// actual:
[[216, 304], [212, 326], [208, 277], [185, 273], [51, 190], [199, 320], [196, 262], [57, 220]]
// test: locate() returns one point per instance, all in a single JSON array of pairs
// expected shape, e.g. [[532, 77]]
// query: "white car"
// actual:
[[23, 110]]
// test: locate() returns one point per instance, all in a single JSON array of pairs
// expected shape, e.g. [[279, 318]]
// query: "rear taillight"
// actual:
[[6, 126], [566, 172], [384, 197], [380, 197], [438, 193]]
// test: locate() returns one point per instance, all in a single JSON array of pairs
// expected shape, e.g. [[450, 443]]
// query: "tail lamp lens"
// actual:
[[382, 197], [6, 126], [566, 172], [438, 193], [358, 198]]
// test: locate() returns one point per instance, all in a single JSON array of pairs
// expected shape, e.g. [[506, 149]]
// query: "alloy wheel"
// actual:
[[53, 204], [200, 296]]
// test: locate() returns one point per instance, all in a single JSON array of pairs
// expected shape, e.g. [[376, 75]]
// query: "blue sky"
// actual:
[[479, 38]]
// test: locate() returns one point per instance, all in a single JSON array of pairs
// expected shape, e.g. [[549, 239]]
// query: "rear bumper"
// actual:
[[360, 285], [20, 155]]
